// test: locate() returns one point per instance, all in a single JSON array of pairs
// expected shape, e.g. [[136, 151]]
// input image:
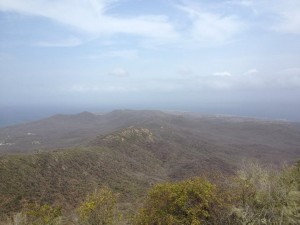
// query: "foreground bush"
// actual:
[[99, 208], [192, 201], [36, 214], [256, 195], [264, 196]]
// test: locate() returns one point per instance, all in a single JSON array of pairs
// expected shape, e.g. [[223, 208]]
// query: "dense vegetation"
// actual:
[[190, 166], [254, 195], [64, 177]]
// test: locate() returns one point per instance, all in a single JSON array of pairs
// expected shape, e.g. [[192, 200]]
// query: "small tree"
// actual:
[[264, 196], [193, 201], [98, 208], [43, 214]]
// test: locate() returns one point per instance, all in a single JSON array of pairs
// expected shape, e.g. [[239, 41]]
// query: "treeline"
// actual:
[[254, 195]]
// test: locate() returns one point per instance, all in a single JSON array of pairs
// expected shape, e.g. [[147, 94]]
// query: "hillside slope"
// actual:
[[129, 151], [65, 176], [234, 135]]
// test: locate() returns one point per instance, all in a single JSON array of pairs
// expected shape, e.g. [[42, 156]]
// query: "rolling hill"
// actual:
[[59, 159]]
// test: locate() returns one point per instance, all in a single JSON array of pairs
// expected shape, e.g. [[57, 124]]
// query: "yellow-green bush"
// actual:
[[189, 202], [99, 208], [43, 215], [264, 196]]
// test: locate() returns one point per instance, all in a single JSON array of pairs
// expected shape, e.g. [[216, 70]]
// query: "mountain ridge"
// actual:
[[61, 131], [129, 151]]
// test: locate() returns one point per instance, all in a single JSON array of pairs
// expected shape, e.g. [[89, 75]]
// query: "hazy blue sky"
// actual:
[[165, 54]]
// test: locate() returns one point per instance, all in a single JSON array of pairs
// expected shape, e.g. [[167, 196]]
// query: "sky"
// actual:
[[219, 56]]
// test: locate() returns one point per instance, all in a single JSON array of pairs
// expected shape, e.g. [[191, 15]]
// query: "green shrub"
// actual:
[[99, 208], [264, 196], [43, 215], [192, 201]]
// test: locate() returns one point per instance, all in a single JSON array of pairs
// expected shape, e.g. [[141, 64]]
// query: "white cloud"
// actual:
[[152, 85], [90, 17], [289, 21], [212, 27], [287, 15], [204, 23], [283, 15], [246, 3], [92, 88], [288, 78], [222, 74], [278, 15], [118, 72], [251, 71], [124, 54], [71, 42]]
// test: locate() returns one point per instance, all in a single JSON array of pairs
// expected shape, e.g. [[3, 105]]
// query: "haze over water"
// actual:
[[238, 57]]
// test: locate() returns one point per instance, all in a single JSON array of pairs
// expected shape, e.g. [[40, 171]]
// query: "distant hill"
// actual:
[[68, 130], [238, 135], [59, 159]]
